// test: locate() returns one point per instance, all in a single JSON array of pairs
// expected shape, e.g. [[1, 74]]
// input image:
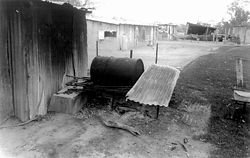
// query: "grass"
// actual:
[[208, 81]]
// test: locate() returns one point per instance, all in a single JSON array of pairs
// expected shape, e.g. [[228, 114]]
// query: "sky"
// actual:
[[165, 11]]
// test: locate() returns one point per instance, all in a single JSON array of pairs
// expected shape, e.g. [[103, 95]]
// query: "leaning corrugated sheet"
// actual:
[[155, 86]]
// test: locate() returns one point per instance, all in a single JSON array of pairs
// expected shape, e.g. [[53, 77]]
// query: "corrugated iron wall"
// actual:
[[127, 36], [108, 44], [132, 36], [45, 41], [6, 104]]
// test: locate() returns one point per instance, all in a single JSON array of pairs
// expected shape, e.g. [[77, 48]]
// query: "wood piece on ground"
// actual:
[[125, 109], [173, 148], [114, 124], [23, 123], [184, 148]]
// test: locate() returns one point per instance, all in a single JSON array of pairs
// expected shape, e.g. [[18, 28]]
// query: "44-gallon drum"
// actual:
[[111, 71]]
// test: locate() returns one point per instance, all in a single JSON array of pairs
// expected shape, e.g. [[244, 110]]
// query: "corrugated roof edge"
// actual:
[[102, 20], [117, 22]]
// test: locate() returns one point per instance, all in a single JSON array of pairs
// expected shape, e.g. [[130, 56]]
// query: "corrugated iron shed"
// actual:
[[40, 43], [155, 86]]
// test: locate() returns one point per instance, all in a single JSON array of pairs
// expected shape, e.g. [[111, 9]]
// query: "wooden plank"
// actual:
[[239, 72], [246, 73]]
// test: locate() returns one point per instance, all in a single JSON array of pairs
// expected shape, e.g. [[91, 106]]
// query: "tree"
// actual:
[[181, 28], [238, 15], [223, 26]]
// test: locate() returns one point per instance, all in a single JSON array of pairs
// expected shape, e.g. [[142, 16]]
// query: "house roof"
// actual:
[[102, 19], [117, 21], [169, 24]]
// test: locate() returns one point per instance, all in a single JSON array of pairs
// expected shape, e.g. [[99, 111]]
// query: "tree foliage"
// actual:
[[181, 28], [223, 26], [238, 15]]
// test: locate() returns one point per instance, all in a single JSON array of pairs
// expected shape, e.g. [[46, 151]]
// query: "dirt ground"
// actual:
[[196, 124], [174, 53]]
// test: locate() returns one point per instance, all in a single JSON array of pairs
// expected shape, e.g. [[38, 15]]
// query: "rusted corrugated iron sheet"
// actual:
[[155, 86]]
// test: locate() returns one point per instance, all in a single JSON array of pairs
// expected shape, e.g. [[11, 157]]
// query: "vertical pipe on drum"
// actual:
[[131, 54]]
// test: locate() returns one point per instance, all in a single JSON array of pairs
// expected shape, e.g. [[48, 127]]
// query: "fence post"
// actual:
[[97, 51], [156, 60], [156, 55], [131, 53]]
